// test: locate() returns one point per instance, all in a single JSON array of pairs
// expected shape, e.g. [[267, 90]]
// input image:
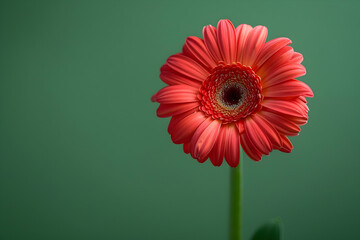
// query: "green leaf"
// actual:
[[269, 231]]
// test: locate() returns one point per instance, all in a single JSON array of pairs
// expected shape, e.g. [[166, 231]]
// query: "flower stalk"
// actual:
[[235, 201]]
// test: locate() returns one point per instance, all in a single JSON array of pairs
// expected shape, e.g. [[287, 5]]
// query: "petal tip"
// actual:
[[153, 98], [233, 165], [310, 93]]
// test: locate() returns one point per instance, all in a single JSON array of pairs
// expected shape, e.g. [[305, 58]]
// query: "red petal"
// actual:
[[269, 49], [291, 88], [176, 94], [195, 47], [267, 128], [204, 139], [168, 110], [176, 119], [240, 126], [249, 148], [187, 67], [210, 39], [300, 103], [283, 107], [232, 152], [226, 41], [283, 73], [299, 121], [217, 153], [254, 43], [186, 147], [287, 146], [297, 58], [185, 128], [172, 77], [283, 124], [242, 32], [281, 57], [257, 137], [303, 99]]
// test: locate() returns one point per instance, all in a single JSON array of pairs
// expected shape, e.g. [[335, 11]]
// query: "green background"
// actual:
[[83, 155]]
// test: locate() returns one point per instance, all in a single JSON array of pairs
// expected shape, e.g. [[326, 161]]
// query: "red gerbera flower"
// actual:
[[231, 89]]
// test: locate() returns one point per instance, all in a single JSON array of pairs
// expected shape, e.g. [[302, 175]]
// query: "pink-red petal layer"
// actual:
[[280, 114]]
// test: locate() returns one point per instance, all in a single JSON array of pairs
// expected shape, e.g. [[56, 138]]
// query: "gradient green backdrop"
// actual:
[[83, 155]]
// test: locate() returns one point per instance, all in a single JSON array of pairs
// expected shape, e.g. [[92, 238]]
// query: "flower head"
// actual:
[[232, 88]]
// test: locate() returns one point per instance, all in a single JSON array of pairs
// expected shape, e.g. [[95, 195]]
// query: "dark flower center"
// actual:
[[231, 93]]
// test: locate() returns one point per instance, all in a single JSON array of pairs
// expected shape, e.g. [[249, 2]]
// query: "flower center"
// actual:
[[230, 93]]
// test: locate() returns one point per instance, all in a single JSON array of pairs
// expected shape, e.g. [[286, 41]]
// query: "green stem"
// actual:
[[235, 200]]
